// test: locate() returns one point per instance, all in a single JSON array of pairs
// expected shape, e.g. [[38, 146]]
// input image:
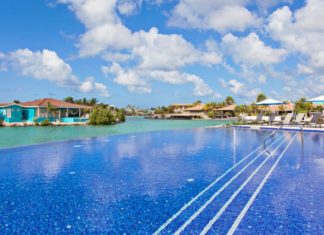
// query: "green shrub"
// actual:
[[103, 116], [211, 114], [120, 117], [46, 122]]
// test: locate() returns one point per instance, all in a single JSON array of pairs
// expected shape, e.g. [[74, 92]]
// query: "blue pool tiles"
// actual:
[[133, 184]]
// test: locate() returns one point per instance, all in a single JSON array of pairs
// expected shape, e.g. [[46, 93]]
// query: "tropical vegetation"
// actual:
[[101, 115], [261, 97], [83, 101]]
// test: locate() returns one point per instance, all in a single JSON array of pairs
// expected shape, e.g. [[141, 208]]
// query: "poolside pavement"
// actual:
[[288, 128]]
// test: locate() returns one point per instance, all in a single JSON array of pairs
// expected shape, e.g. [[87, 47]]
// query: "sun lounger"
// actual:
[[268, 120], [315, 121], [272, 118], [299, 119], [253, 119], [286, 121], [259, 119]]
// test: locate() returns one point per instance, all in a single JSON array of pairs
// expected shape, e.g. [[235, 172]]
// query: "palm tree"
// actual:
[[93, 101], [51, 109], [69, 99], [229, 100], [197, 102], [261, 97]]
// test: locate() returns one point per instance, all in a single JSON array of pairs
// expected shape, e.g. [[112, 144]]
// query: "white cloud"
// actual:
[[43, 65], [128, 7], [265, 4], [251, 50], [218, 15], [168, 52], [137, 80], [239, 88], [127, 78], [145, 51], [301, 31], [262, 79], [101, 89], [303, 69], [116, 56], [176, 77], [47, 65], [104, 28]]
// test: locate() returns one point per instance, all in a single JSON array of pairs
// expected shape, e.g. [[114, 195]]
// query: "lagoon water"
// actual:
[[20, 136]]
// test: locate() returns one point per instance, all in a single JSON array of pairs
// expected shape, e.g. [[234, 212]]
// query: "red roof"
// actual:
[[56, 103]]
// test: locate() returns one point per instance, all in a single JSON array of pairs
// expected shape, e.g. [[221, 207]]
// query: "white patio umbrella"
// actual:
[[318, 99], [269, 102]]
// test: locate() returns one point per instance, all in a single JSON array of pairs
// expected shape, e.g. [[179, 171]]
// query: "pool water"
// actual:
[[20, 136], [210, 180]]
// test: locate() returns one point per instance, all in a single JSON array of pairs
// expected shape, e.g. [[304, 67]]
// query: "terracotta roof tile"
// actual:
[[56, 103]]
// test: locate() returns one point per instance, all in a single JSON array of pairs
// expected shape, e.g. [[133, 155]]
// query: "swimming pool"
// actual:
[[209, 180]]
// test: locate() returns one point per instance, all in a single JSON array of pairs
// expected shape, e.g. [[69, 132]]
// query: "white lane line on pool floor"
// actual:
[[212, 198], [77, 146], [234, 195], [173, 217], [256, 192]]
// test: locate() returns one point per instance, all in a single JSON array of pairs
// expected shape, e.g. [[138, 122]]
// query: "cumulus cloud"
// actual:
[[301, 31], [133, 79], [239, 88], [128, 7], [175, 77], [128, 78], [47, 65], [251, 50], [218, 15], [146, 52], [169, 52]]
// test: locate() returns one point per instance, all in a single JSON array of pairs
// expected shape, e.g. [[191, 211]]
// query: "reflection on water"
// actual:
[[104, 185]]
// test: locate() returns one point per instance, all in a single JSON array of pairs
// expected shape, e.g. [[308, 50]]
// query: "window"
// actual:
[[8, 112]]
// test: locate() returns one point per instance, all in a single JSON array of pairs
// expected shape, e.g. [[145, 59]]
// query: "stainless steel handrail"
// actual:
[[274, 132]]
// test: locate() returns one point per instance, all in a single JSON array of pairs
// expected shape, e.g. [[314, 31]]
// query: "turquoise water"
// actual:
[[19, 136]]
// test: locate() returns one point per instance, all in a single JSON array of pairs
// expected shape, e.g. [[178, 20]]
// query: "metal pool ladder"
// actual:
[[275, 132], [268, 137]]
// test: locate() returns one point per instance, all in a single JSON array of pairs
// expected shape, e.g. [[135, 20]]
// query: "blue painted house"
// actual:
[[37, 111], [11, 112]]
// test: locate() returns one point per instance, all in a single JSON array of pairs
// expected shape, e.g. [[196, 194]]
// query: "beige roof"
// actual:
[[276, 108], [227, 108], [198, 107], [183, 115]]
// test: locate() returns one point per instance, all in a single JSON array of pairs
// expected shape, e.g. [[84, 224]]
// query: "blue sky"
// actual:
[[158, 52]]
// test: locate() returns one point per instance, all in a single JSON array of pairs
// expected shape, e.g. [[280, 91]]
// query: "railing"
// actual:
[[268, 137], [276, 131]]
